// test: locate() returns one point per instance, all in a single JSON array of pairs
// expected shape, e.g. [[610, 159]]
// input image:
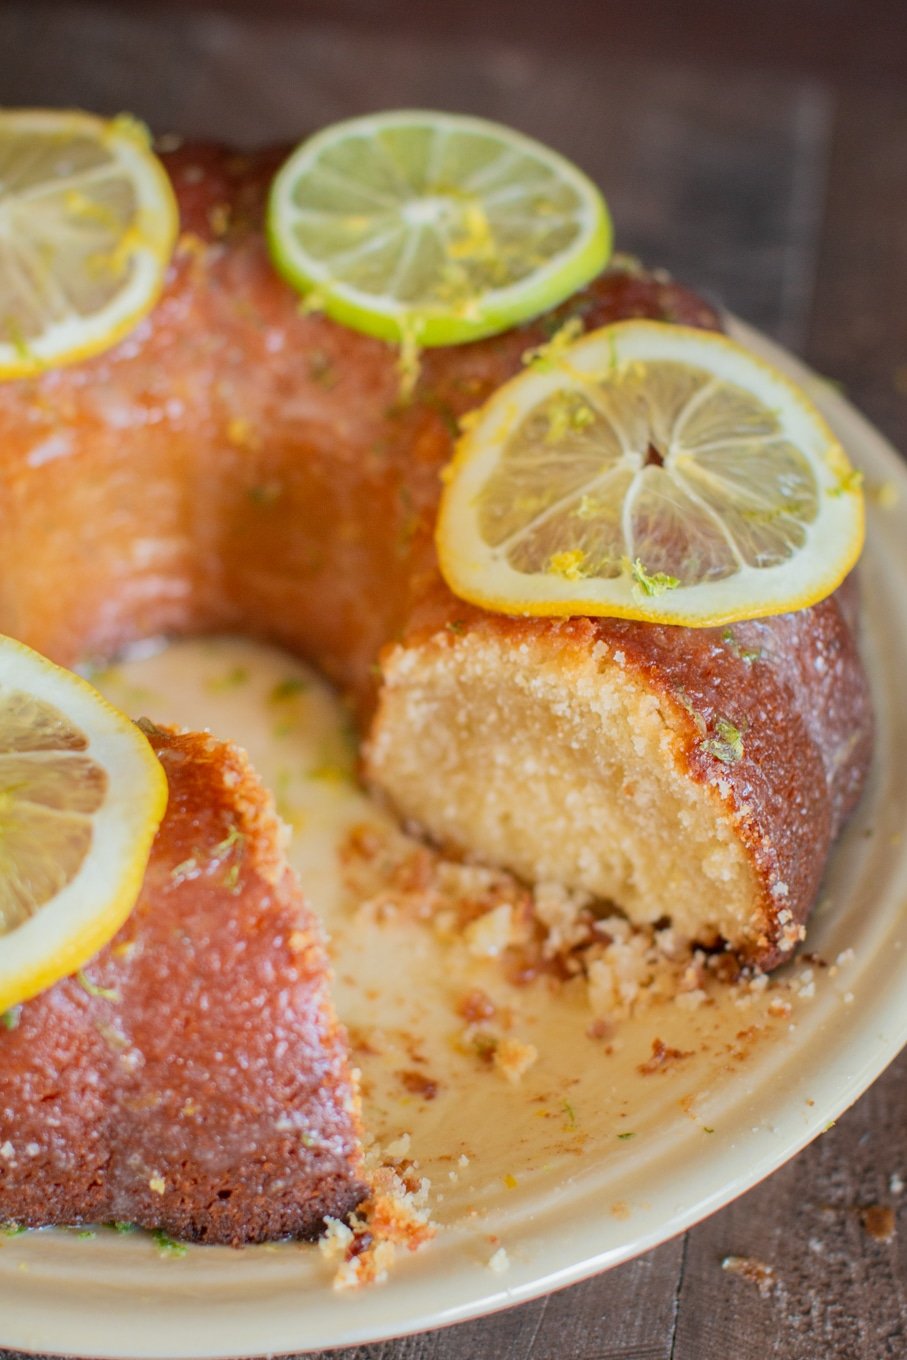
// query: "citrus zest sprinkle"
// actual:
[[567, 564], [546, 356], [650, 583]]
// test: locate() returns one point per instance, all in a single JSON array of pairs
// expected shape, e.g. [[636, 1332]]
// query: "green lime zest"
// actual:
[[168, 1246], [727, 743], [650, 583]]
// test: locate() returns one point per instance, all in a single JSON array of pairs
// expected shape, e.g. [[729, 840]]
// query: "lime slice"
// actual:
[[434, 227], [649, 471], [81, 797], [88, 222]]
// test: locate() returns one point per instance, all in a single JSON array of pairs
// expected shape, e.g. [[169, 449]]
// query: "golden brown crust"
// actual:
[[193, 1078]]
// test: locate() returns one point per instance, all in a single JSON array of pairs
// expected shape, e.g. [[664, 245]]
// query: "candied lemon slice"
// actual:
[[649, 471], [434, 227], [81, 797], [88, 222]]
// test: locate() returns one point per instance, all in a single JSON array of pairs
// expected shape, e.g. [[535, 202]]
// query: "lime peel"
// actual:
[[448, 225]]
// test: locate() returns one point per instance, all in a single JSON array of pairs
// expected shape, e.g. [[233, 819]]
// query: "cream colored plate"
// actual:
[[540, 1169]]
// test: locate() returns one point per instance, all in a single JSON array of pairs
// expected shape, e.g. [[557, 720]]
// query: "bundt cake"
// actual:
[[241, 463], [193, 1078]]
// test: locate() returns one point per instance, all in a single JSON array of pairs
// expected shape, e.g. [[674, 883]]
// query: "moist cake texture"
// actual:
[[193, 1078]]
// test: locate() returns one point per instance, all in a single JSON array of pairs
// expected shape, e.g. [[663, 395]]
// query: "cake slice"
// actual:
[[193, 1078], [692, 775]]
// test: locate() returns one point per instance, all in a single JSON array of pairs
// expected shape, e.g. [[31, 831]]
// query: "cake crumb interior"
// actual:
[[560, 768]]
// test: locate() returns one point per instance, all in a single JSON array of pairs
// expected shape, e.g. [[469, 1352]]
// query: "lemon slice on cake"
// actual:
[[88, 221], [434, 227], [81, 797], [649, 471]]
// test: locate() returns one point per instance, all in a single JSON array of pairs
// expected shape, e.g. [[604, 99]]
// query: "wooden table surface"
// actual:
[[758, 151]]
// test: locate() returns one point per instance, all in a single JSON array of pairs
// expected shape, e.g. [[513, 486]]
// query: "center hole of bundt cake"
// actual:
[[653, 457]]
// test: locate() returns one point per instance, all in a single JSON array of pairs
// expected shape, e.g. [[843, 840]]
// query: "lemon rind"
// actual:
[[88, 912], [472, 571], [155, 235]]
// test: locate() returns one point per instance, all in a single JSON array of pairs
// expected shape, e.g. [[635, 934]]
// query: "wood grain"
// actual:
[[763, 158], [838, 1293], [858, 331]]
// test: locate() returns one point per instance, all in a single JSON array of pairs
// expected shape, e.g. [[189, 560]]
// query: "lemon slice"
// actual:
[[433, 226], [81, 796], [649, 471], [88, 222]]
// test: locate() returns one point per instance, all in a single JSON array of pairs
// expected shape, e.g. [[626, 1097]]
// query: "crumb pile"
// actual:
[[395, 1215], [553, 936], [541, 932]]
